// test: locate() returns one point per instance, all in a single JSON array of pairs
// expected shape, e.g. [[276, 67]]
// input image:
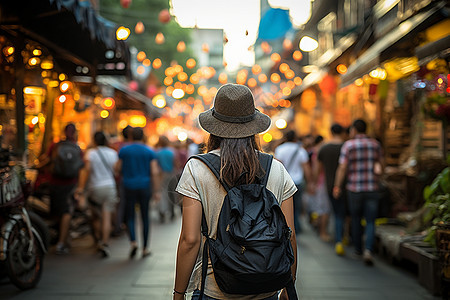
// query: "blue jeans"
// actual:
[[339, 216], [363, 204], [196, 296], [142, 197], [298, 207]]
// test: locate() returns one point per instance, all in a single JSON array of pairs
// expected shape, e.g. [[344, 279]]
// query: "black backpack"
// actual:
[[252, 253], [67, 160]]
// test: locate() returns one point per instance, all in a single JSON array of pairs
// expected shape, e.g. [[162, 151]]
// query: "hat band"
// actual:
[[230, 119]]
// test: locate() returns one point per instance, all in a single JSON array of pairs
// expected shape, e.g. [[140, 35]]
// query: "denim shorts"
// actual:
[[196, 296]]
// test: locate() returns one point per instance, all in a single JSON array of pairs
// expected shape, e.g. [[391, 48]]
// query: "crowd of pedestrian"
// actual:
[[338, 177], [110, 182]]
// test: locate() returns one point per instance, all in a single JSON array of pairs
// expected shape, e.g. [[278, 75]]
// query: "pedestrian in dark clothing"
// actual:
[[66, 159], [360, 159], [328, 160], [140, 174]]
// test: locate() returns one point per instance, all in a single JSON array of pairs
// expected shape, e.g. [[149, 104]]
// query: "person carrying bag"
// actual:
[[237, 239]]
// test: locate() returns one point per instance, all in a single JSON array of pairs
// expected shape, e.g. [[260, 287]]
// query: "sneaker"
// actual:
[[103, 249], [339, 248], [62, 249], [356, 255], [368, 258]]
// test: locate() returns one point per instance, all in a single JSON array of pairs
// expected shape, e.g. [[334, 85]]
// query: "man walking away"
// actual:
[[295, 159], [360, 159], [66, 160], [328, 160], [140, 173]]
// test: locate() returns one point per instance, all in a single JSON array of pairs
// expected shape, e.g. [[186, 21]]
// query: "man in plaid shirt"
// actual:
[[361, 160]]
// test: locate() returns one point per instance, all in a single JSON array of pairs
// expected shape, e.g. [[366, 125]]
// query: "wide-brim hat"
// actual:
[[234, 114]]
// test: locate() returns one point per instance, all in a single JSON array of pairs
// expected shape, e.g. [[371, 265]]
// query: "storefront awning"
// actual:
[[433, 50], [370, 59], [130, 99], [74, 31]]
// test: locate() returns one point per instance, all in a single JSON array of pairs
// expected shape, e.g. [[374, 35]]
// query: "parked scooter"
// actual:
[[23, 238]]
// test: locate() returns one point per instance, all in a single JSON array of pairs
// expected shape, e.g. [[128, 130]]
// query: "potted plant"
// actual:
[[437, 200]]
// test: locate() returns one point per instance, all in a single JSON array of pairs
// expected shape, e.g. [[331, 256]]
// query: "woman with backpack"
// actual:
[[237, 239]]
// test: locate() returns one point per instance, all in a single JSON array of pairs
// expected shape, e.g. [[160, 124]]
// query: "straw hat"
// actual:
[[234, 114]]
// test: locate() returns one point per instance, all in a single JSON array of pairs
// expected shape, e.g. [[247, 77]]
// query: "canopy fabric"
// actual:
[[274, 24]]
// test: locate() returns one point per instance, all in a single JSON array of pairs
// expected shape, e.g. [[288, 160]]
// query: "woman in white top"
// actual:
[[233, 124], [98, 181]]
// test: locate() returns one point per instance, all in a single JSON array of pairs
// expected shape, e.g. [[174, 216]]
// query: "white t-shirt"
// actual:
[[285, 152], [198, 182], [101, 175]]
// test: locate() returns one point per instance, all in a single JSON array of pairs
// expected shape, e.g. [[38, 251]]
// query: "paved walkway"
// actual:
[[321, 274]]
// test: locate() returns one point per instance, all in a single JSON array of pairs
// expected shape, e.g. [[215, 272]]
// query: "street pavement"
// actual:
[[321, 274]]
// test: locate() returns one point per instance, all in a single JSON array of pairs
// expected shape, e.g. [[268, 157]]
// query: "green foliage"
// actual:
[[437, 200]]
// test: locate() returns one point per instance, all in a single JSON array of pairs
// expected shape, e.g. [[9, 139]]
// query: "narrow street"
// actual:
[[321, 274]]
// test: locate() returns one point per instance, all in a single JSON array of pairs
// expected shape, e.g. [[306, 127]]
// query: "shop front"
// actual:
[[51, 52]]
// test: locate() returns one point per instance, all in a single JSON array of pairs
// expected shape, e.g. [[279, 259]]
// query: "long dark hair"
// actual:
[[238, 157]]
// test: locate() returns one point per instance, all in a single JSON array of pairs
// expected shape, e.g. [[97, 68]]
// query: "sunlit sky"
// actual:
[[235, 17], [239, 20]]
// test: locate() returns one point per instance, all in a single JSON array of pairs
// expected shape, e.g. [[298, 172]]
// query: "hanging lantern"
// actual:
[[125, 3], [275, 78], [287, 44], [164, 16], [256, 69], [139, 28], [151, 91], [181, 46], [159, 39], [157, 63], [308, 100], [262, 78], [275, 57], [190, 63], [205, 47], [297, 55], [133, 85], [266, 48], [252, 83], [223, 78], [141, 56], [328, 85]]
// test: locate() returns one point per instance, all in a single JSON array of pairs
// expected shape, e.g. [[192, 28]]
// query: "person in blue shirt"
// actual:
[[140, 174], [166, 157]]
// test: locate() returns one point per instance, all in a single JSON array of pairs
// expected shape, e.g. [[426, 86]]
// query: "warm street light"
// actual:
[[281, 123], [122, 33], [308, 44]]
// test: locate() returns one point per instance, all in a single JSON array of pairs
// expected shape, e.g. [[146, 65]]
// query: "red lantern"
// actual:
[[125, 3], [328, 85], [164, 16], [133, 85], [151, 91]]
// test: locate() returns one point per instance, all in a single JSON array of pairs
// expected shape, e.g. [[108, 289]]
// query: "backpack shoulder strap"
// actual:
[[266, 162], [212, 161]]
